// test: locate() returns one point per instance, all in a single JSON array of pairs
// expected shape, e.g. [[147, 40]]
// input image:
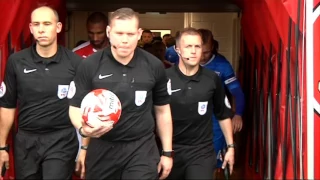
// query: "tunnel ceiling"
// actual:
[[162, 6]]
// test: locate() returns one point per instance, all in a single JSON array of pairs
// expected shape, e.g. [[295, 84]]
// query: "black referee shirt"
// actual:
[[139, 85], [39, 86], [193, 101]]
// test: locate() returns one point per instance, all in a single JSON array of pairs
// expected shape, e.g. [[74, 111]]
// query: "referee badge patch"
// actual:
[[202, 107], [72, 90], [140, 97], [227, 103], [169, 87], [3, 89], [62, 91]]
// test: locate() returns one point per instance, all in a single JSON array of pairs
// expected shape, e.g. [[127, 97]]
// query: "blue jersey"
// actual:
[[223, 68], [171, 55]]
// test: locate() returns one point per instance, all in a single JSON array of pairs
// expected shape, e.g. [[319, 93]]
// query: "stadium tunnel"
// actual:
[[279, 42]]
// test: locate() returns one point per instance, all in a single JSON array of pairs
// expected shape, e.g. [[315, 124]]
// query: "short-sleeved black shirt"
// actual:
[[139, 85], [39, 86], [193, 101]]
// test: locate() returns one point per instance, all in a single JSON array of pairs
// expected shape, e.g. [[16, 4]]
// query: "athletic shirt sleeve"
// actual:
[[8, 88], [221, 106], [233, 85], [160, 90], [82, 83]]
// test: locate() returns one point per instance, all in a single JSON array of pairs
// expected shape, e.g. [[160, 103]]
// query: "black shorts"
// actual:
[[193, 162], [45, 156], [122, 160]]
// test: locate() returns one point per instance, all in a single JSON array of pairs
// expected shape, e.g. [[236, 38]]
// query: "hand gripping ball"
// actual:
[[100, 105]]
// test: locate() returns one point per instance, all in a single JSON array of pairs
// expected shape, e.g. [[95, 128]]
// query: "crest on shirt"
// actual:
[[227, 103], [3, 89], [72, 90], [62, 91], [169, 87], [217, 72], [140, 97], [202, 107]]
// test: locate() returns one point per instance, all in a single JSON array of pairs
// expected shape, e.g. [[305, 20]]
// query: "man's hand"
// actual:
[[96, 132], [229, 159], [80, 164], [236, 123], [4, 161], [165, 166]]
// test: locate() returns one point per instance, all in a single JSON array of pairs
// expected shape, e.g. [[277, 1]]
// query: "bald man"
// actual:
[[37, 79]]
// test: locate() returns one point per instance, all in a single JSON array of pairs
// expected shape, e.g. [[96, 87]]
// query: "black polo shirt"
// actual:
[[139, 85], [193, 101], [39, 86]]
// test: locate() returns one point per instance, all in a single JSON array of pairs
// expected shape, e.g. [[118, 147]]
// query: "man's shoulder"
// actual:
[[22, 54], [81, 46]]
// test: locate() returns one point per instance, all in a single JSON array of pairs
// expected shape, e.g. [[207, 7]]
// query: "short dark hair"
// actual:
[[166, 35], [187, 31], [146, 31], [123, 14], [97, 17], [207, 36]]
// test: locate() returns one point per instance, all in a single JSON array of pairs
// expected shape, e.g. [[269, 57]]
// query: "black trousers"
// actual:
[[45, 156], [193, 162], [123, 160]]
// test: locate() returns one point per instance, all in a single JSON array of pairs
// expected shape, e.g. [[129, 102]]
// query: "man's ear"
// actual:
[[108, 31]]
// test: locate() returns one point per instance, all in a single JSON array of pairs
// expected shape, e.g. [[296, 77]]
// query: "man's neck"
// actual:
[[202, 63], [122, 60], [104, 45], [188, 70], [48, 51]]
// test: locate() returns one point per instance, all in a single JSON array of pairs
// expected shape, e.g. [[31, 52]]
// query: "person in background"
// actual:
[[159, 50], [165, 39], [171, 54], [96, 27], [146, 38]]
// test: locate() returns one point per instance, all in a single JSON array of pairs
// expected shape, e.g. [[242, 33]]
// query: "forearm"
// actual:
[[6, 121], [85, 141], [75, 116], [226, 127], [164, 127]]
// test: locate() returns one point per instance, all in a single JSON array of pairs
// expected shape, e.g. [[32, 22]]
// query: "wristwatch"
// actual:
[[5, 148], [231, 146], [168, 153], [84, 147], [81, 134]]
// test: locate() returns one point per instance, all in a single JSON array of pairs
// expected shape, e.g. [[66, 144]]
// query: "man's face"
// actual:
[[190, 48], [206, 52], [165, 39], [159, 51], [44, 26], [147, 38], [97, 34], [124, 35]]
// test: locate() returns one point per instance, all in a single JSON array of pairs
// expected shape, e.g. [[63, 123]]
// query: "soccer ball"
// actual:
[[100, 105]]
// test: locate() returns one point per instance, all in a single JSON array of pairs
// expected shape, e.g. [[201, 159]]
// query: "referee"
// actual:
[[128, 150], [37, 81], [196, 94]]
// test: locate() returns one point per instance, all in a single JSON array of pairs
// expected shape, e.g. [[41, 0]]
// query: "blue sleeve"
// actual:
[[171, 55], [234, 87]]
